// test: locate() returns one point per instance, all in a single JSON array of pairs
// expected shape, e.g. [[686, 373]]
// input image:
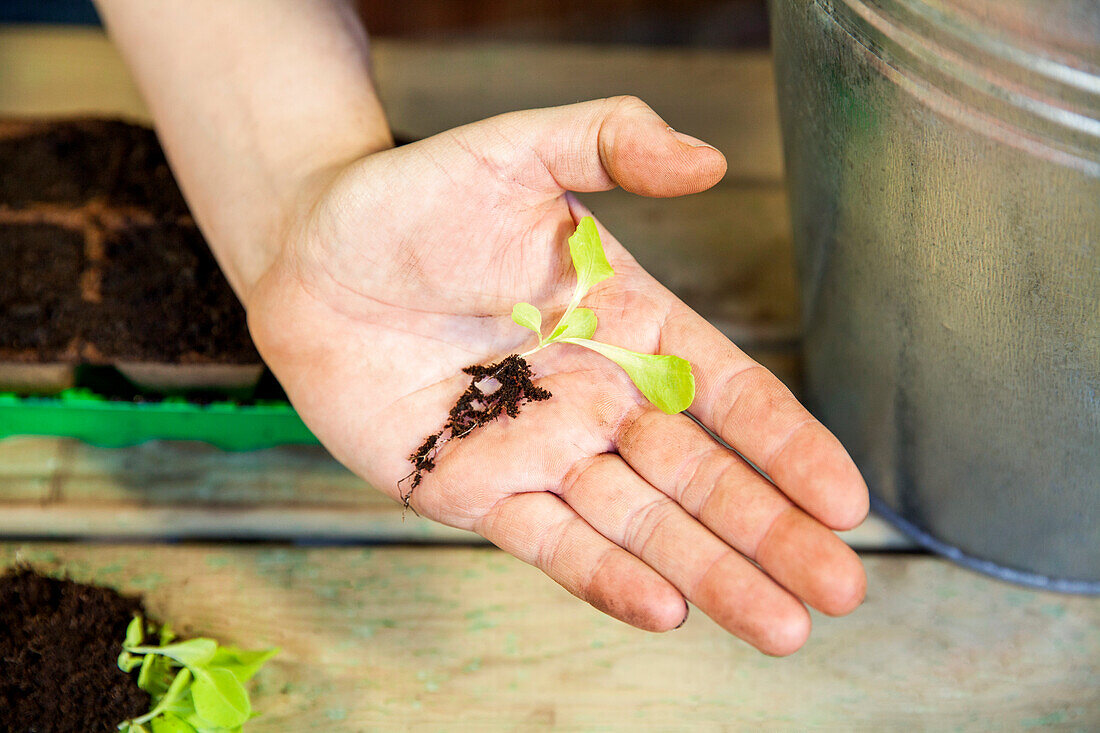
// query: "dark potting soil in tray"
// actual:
[[102, 261], [59, 647], [163, 294], [76, 160], [40, 290]]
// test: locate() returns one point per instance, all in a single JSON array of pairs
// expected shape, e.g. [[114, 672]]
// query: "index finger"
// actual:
[[755, 413]]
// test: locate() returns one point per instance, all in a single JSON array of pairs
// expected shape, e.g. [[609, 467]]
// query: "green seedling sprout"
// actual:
[[665, 380], [196, 686]]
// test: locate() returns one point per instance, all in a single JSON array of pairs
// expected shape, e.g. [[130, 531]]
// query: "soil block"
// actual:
[[40, 292], [73, 161], [105, 266], [39, 300], [59, 647], [164, 299]]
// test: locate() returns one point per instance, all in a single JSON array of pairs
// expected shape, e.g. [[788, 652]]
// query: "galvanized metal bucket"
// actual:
[[943, 159]]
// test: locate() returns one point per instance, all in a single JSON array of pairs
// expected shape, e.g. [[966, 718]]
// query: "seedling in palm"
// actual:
[[501, 388], [665, 380]]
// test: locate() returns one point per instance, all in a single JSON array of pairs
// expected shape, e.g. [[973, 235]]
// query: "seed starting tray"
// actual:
[[109, 423]]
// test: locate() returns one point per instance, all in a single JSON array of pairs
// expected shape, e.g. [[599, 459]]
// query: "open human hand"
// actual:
[[405, 269]]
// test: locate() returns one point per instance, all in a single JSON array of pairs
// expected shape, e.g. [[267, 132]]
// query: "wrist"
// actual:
[[249, 236], [252, 105]]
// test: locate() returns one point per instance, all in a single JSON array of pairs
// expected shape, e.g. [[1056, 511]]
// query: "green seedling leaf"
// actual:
[[241, 662], [589, 259], [580, 323], [194, 653], [135, 632], [184, 708], [127, 662], [203, 726], [144, 680], [592, 268], [171, 723], [196, 686], [665, 380], [175, 691], [156, 675], [528, 316], [220, 698]]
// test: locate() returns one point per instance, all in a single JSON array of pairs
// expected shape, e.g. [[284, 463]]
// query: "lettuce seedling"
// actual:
[[665, 380], [196, 686], [501, 388]]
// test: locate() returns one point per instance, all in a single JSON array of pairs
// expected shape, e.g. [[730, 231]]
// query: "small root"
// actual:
[[406, 496]]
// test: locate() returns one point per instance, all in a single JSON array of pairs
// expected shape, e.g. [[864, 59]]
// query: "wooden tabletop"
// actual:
[[430, 639], [451, 635]]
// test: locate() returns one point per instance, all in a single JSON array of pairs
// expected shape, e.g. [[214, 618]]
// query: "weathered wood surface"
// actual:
[[55, 487], [471, 639]]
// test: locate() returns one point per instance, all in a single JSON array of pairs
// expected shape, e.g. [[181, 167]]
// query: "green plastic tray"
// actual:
[[83, 414]]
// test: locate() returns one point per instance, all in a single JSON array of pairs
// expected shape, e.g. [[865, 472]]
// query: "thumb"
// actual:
[[594, 146]]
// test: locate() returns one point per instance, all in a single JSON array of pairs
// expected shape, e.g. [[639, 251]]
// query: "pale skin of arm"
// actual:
[[372, 275]]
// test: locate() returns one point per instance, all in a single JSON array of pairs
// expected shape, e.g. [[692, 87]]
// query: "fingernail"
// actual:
[[692, 141], [684, 621]]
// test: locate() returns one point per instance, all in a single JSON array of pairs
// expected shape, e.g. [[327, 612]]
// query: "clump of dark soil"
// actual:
[[59, 647], [495, 389]]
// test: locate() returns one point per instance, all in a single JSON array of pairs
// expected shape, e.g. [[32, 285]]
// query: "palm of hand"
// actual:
[[368, 318]]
